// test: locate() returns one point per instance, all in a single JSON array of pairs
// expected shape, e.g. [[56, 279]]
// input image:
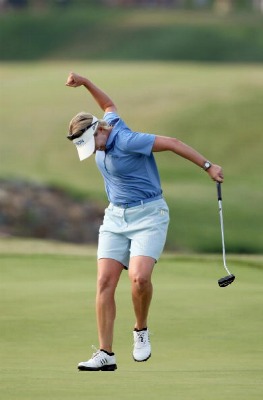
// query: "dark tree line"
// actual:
[[226, 5]]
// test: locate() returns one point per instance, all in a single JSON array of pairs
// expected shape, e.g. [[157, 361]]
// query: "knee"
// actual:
[[105, 285], [140, 283]]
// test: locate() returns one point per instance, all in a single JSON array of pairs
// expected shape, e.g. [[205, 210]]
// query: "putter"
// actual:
[[226, 280]]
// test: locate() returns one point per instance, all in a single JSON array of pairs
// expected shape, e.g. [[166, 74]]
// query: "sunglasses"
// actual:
[[76, 135]]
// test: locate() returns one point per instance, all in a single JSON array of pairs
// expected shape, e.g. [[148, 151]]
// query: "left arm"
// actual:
[[163, 143]]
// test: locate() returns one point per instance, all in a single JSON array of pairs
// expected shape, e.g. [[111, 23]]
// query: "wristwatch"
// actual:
[[207, 165]]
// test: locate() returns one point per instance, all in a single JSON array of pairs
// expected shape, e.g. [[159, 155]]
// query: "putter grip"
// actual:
[[219, 194]]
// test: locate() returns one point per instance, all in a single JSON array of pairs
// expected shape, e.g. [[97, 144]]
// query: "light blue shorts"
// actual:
[[135, 231]]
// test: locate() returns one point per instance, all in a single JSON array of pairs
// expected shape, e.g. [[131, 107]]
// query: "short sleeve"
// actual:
[[129, 141], [137, 142], [111, 118]]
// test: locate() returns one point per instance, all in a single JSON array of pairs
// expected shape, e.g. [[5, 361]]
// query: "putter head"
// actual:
[[227, 280]]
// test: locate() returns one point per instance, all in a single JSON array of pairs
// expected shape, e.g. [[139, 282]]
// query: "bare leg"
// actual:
[[109, 272], [140, 272]]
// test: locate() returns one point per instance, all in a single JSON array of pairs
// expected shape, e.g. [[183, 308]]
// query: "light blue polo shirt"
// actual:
[[128, 165]]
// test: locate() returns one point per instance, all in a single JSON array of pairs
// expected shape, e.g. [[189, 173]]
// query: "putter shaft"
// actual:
[[219, 196]]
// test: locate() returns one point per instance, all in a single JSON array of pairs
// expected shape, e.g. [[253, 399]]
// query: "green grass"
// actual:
[[216, 109], [100, 33], [206, 340]]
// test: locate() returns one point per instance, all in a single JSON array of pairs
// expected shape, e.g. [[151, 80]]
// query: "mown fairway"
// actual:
[[207, 341], [215, 108]]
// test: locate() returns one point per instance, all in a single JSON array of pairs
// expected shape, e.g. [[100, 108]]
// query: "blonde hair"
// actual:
[[82, 120]]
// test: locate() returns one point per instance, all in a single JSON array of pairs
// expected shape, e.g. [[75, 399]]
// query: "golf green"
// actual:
[[206, 340]]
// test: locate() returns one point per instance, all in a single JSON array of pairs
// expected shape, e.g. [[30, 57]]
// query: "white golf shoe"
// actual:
[[142, 346], [100, 361]]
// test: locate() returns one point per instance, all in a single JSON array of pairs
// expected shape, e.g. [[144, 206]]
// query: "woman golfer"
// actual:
[[135, 224]]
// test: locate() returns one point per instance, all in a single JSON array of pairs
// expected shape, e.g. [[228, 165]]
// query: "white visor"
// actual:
[[86, 143]]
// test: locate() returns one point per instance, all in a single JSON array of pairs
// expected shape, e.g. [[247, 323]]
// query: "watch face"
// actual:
[[207, 165]]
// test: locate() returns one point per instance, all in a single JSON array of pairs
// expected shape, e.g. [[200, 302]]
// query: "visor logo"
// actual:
[[80, 142]]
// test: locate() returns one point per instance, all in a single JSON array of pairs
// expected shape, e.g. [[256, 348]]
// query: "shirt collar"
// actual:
[[111, 138]]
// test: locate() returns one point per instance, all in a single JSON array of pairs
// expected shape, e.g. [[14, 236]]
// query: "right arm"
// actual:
[[103, 100]]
